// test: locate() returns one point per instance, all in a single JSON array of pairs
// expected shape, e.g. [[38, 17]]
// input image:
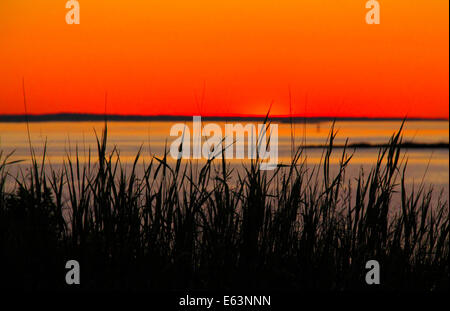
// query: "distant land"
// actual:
[[405, 145], [85, 117]]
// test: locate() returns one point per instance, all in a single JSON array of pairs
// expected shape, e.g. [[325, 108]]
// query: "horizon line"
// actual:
[[86, 117]]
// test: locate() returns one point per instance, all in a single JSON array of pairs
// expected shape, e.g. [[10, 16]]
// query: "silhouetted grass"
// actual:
[[176, 226]]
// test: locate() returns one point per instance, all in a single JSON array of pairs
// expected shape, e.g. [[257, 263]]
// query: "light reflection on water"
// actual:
[[63, 138]]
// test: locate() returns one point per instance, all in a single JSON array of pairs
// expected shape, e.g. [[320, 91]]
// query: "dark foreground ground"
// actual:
[[175, 228]]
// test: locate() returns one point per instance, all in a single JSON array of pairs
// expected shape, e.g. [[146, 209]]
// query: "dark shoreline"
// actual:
[[408, 145], [85, 117]]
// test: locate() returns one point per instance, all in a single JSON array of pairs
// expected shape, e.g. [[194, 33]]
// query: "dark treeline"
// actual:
[[83, 117]]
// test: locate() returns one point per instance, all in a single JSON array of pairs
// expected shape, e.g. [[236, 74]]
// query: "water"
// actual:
[[64, 138]]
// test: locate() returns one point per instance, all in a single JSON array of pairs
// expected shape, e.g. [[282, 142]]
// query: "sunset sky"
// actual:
[[157, 57]]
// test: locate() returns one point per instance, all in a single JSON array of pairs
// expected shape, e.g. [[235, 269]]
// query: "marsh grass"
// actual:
[[179, 226]]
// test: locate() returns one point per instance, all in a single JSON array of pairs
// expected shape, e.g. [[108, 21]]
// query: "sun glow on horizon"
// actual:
[[227, 58]]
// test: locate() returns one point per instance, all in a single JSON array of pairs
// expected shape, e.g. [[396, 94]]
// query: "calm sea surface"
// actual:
[[64, 138]]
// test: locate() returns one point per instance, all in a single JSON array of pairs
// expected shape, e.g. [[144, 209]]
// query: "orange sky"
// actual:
[[158, 56]]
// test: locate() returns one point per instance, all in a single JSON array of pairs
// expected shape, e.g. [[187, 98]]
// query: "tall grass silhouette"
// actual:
[[175, 226]]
